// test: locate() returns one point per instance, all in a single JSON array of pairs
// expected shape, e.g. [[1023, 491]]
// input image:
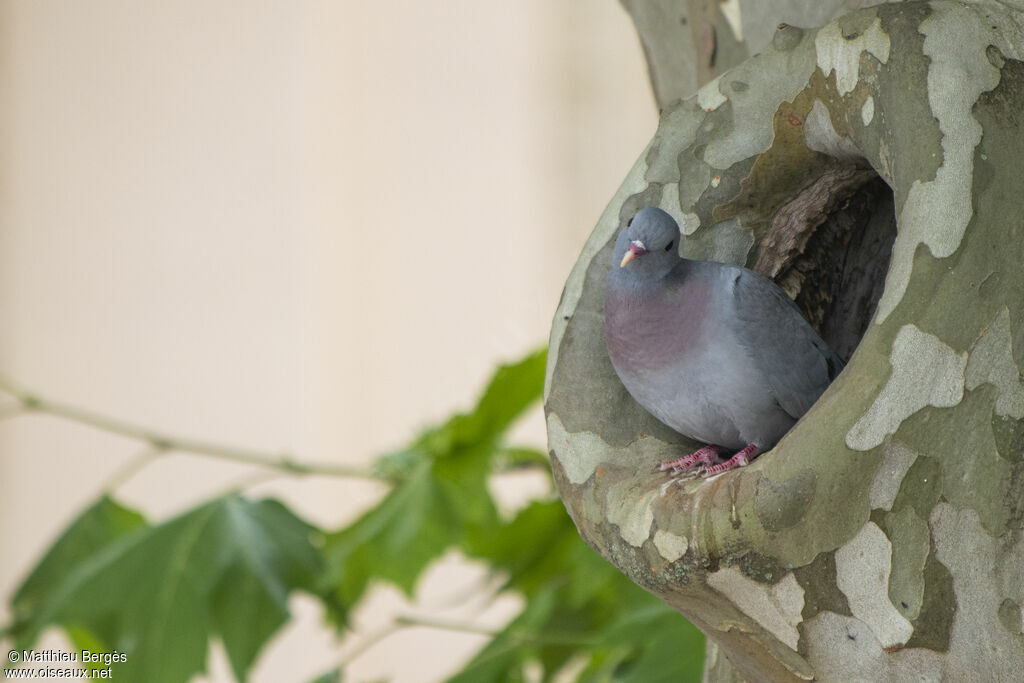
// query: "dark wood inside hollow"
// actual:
[[830, 247]]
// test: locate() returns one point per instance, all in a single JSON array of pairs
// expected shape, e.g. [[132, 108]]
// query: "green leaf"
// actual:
[[96, 527], [275, 556], [159, 594], [652, 643], [579, 605], [246, 614], [547, 562], [504, 657], [394, 540], [520, 457], [512, 389], [440, 496], [83, 639], [332, 676], [541, 546], [226, 569]]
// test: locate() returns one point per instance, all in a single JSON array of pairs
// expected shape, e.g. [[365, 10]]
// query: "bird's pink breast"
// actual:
[[638, 336]]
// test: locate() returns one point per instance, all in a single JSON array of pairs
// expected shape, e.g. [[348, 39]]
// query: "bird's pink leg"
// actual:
[[684, 463], [741, 459]]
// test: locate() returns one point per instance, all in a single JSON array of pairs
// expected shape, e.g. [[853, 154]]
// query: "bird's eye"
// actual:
[[630, 222], [668, 247]]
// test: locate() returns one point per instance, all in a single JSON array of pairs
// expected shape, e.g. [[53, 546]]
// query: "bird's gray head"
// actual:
[[648, 247]]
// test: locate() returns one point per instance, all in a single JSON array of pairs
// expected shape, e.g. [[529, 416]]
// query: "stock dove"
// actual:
[[717, 352]]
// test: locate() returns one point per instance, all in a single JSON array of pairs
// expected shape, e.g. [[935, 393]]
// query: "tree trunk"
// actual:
[[881, 539]]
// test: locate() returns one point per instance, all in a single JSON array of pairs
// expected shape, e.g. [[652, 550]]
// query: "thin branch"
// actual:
[[402, 622], [446, 625], [518, 637], [410, 620], [486, 588], [161, 441], [369, 641], [242, 485], [519, 458], [128, 470]]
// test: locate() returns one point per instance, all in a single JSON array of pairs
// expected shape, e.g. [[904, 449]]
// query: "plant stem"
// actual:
[[517, 636], [410, 620], [128, 470], [368, 642], [446, 624], [160, 441]]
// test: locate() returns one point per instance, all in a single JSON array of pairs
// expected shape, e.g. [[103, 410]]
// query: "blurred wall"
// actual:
[[312, 226]]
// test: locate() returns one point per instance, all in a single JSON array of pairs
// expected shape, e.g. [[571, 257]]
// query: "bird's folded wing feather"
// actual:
[[792, 358]]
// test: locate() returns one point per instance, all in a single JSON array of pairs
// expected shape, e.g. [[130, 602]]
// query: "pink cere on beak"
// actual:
[[636, 248]]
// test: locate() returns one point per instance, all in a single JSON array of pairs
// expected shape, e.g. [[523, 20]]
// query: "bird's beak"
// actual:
[[636, 248]]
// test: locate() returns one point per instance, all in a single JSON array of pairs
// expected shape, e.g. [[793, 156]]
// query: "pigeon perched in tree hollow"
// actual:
[[717, 352]]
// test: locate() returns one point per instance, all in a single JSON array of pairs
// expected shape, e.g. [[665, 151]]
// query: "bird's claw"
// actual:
[[685, 464]]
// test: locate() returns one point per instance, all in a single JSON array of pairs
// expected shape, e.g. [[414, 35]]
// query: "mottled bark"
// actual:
[[689, 42], [686, 43], [883, 538]]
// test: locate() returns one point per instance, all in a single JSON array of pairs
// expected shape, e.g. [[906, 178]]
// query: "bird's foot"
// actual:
[[702, 456], [741, 459]]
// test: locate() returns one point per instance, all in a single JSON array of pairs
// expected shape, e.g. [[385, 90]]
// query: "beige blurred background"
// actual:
[[290, 225]]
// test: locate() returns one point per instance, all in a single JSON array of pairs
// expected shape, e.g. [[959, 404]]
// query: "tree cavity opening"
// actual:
[[829, 248]]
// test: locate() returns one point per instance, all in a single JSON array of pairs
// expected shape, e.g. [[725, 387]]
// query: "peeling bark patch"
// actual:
[[921, 488], [1009, 615], [780, 506], [767, 90], [980, 647], [631, 511], [925, 371], [727, 242], [579, 453], [777, 608], [819, 582], [867, 111], [991, 361], [935, 622], [842, 55], [936, 212], [709, 97], [694, 178], [862, 572], [821, 136], [669, 545], [910, 542], [844, 649], [1008, 436], [1011, 581], [897, 460], [689, 223], [676, 130], [670, 198], [973, 475], [778, 174]]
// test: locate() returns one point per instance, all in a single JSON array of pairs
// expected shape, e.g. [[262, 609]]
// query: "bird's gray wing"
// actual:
[[793, 359]]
